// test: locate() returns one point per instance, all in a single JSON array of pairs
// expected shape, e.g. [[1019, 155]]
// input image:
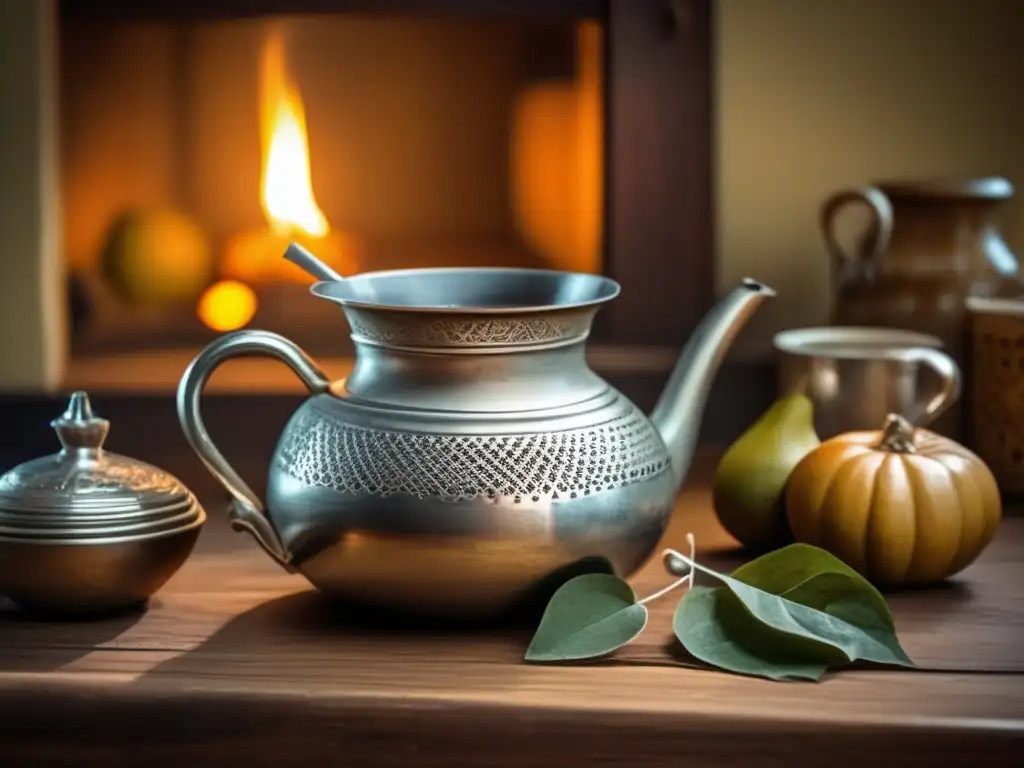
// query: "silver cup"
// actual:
[[856, 376]]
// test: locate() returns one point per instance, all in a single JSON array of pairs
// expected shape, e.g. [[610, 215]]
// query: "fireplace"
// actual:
[[190, 142]]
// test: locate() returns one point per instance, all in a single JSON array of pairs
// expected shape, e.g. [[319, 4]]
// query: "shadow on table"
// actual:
[[305, 629], [38, 643], [307, 637]]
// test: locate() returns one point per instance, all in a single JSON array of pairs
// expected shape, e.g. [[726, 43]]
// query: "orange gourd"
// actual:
[[902, 506]]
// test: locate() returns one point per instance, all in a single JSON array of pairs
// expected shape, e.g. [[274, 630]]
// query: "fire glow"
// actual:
[[289, 205], [286, 185]]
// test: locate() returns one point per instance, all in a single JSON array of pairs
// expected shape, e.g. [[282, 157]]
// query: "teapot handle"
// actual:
[[878, 233], [247, 511]]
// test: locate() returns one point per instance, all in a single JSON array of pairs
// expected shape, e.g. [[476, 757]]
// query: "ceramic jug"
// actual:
[[928, 246]]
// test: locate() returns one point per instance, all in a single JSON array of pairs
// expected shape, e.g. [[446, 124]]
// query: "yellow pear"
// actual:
[[749, 486]]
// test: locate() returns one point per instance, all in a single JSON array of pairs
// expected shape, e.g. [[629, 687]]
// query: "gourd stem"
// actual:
[[897, 435]]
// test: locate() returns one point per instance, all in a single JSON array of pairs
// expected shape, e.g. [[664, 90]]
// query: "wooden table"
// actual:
[[237, 663]]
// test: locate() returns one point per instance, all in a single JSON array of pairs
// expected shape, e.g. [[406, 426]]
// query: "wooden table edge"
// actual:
[[181, 690], [168, 725]]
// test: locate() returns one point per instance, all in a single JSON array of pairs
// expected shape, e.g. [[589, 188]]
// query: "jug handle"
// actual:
[[878, 234], [247, 511], [950, 384]]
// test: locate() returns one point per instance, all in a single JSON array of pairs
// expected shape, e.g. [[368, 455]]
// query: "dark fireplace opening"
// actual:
[[193, 150]]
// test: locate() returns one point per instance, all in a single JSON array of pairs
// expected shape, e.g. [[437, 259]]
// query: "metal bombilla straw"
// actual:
[[306, 261]]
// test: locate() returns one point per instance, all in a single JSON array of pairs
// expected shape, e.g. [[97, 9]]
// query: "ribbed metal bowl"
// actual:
[[85, 531], [28, 524], [102, 532], [79, 578]]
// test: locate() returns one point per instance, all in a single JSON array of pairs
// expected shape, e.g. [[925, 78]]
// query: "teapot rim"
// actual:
[[603, 289]]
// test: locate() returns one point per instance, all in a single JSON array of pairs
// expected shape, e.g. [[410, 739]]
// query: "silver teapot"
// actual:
[[472, 455]]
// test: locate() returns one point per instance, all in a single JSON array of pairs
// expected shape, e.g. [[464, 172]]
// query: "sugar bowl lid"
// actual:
[[83, 484]]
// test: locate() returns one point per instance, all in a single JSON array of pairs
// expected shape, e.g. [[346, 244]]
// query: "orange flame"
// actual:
[[286, 187]]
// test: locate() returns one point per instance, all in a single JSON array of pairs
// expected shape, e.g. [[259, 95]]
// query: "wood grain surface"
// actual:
[[235, 660]]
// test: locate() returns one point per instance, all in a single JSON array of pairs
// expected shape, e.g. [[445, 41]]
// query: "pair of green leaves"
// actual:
[[792, 613]]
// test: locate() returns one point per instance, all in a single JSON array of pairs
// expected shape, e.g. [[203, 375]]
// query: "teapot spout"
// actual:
[[677, 415]]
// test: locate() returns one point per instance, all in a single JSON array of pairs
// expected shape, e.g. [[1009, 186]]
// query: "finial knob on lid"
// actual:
[[85, 477], [78, 428]]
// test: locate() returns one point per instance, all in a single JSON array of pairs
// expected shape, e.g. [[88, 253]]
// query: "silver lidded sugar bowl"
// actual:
[[87, 532]]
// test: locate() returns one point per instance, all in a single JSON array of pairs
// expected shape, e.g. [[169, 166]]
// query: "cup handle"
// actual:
[[844, 263], [247, 511], [949, 376]]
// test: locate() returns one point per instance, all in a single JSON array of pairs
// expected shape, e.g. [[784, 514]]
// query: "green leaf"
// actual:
[[715, 627], [590, 615], [810, 623], [812, 606], [811, 576]]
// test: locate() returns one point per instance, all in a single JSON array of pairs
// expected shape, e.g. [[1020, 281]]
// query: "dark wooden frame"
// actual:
[[192, 10], [658, 236]]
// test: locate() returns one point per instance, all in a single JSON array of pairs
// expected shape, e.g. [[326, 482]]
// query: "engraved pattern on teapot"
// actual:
[[470, 332], [321, 451]]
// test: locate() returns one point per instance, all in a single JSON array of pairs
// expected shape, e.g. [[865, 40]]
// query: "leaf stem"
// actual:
[[678, 582], [675, 561], [664, 591]]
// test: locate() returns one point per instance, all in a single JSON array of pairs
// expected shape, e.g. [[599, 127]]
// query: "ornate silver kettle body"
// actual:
[[471, 455]]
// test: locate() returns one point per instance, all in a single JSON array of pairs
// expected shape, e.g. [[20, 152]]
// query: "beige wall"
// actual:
[[31, 299], [814, 95]]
